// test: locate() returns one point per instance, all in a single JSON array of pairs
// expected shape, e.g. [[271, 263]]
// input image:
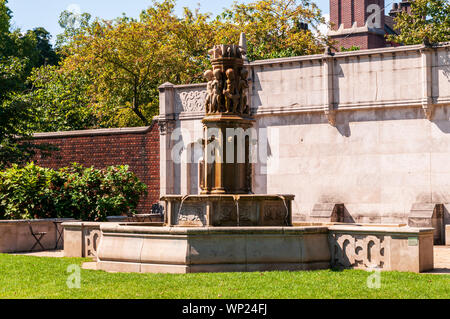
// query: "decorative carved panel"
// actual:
[[192, 214], [226, 214], [359, 251], [274, 213], [190, 100], [247, 214]]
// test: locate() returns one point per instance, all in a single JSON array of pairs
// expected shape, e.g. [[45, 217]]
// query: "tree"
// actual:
[[61, 98], [18, 55], [46, 53], [129, 59], [5, 17], [73, 24], [429, 19], [275, 28]]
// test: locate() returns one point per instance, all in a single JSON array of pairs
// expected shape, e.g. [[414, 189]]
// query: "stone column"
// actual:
[[166, 124], [427, 78], [328, 87]]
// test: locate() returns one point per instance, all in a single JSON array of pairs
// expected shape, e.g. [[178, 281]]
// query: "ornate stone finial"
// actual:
[[327, 51], [243, 46], [426, 42]]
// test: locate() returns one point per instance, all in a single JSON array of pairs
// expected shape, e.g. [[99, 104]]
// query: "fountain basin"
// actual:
[[127, 248], [228, 210]]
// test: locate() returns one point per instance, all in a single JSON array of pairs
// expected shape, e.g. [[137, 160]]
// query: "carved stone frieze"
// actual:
[[226, 213], [274, 213]]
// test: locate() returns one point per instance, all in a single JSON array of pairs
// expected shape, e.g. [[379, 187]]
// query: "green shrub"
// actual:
[[72, 192]]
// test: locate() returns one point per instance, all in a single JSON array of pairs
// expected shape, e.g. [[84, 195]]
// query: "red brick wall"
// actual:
[[100, 148], [347, 12], [361, 40]]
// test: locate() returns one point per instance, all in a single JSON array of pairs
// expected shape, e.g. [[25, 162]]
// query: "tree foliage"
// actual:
[[107, 72], [61, 100], [128, 59], [19, 54], [275, 28], [430, 20]]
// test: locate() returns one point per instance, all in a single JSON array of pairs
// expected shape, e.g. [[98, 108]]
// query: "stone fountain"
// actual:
[[228, 228], [226, 197]]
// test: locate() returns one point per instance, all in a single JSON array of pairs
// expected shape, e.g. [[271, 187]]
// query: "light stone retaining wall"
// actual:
[[134, 248], [81, 239], [212, 249], [388, 149], [15, 235], [447, 235]]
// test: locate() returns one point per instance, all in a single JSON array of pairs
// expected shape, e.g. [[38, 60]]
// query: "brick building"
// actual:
[[363, 23]]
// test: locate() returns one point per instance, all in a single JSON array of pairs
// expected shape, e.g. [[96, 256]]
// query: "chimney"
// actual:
[[403, 6]]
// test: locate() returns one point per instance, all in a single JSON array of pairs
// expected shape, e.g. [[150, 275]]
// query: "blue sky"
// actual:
[[29, 14]]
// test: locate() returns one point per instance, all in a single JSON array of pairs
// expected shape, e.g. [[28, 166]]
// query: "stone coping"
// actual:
[[228, 196], [306, 223], [95, 224], [35, 220], [95, 132], [387, 50], [381, 229], [138, 229], [78, 224]]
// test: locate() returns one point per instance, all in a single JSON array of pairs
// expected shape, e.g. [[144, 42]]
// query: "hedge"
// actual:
[[87, 194]]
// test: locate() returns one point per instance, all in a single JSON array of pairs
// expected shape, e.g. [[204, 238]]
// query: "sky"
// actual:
[[29, 14]]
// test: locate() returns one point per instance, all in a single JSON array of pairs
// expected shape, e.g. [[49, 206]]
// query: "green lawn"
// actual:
[[39, 277]]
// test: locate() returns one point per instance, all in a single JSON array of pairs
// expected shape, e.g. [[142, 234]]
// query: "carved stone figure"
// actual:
[[215, 52], [217, 87], [243, 87], [231, 95], [227, 51], [209, 76]]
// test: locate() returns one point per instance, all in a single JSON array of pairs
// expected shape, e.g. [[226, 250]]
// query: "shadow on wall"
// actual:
[[446, 66], [346, 217], [403, 116]]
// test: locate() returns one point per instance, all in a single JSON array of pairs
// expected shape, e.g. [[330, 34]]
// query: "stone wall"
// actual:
[[368, 129], [136, 147], [134, 248], [17, 235]]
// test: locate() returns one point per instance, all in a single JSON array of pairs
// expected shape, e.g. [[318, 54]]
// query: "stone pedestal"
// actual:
[[227, 169], [228, 210]]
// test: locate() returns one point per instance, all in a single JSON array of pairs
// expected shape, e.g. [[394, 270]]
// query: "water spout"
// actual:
[[287, 210], [181, 204], [236, 202]]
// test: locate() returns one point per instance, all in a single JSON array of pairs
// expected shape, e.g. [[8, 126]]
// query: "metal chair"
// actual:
[[37, 236]]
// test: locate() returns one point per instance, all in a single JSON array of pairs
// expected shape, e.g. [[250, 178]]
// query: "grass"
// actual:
[[40, 277]]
